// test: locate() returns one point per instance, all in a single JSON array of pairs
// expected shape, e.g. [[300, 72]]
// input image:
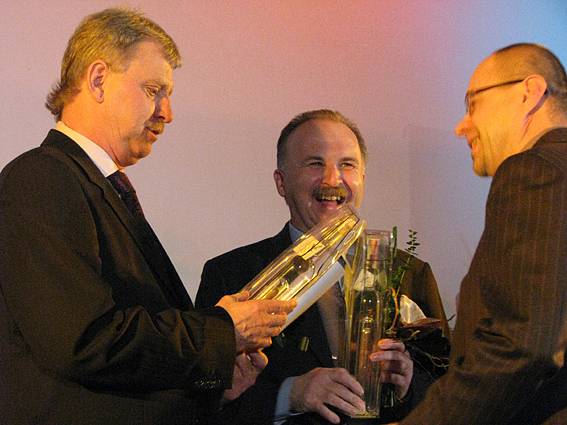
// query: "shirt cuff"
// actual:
[[282, 403]]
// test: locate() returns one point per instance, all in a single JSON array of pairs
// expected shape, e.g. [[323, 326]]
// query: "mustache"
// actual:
[[337, 191], [156, 127]]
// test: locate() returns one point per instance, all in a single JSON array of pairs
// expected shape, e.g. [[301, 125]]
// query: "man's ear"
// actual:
[[96, 78], [535, 92], [279, 180]]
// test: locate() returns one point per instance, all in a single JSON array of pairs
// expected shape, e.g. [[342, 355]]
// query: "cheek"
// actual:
[[303, 185], [140, 107], [354, 180], [145, 109], [356, 185]]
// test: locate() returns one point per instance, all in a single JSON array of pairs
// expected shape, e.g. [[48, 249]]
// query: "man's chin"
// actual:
[[133, 157], [328, 212], [479, 169], [144, 150]]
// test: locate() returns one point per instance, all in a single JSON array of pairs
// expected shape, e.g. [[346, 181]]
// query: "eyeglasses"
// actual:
[[472, 93]]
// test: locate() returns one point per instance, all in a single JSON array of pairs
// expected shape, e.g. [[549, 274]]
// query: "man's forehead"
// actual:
[[322, 131], [150, 56], [323, 139], [483, 74]]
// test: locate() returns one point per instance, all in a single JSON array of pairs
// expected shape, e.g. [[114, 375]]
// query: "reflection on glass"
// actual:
[[311, 265], [365, 282]]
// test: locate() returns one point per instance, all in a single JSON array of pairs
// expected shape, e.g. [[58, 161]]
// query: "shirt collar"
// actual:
[[294, 232], [98, 155]]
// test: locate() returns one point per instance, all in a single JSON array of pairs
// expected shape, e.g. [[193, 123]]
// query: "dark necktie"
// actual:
[[121, 183]]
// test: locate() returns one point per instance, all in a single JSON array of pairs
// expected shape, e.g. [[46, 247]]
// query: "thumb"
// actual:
[[241, 296]]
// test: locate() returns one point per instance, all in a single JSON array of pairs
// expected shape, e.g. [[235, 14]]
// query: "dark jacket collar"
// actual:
[[141, 232], [554, 135]]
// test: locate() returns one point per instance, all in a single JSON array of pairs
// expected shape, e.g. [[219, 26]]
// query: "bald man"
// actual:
[[507, 361]]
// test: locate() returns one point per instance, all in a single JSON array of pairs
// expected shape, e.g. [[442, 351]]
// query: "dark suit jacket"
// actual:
[[229, 272], [511, 331], [95, 324]]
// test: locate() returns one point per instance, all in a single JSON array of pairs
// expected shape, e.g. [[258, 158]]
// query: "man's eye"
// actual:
[[152, 91], [348, 165], [315, 164]]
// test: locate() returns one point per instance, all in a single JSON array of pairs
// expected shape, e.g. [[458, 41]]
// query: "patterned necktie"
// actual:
[[121, 183]]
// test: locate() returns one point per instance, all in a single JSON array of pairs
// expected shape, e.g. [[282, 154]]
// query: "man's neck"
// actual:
[[99, 156]]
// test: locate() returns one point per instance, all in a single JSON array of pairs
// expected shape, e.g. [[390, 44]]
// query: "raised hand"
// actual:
[[255, 321], [396, 365]]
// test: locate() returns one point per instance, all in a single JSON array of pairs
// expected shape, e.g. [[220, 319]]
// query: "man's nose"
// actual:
[[461, 127], [332, 176], [163, 110]]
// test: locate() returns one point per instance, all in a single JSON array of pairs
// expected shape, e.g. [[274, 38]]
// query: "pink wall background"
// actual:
[[397, 68]]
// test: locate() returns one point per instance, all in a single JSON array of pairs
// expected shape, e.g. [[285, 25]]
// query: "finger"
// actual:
[[276, 319], [240, 360], [346, 380], [241, 296], [345, 406], [270, 320], [277, 306], [259, 360], [259, 343], [398, 380], [397, 368], [345, 400], [226, 301], [328, 414], [242, 366], [401, 384], [389, 355], [391, 344]]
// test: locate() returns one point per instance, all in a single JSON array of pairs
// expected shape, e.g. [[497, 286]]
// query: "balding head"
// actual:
[[518, 61], [514, 95]]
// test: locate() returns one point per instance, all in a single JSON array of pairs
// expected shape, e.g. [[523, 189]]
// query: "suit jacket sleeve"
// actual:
[[256, 405], [511, 318], [88, 315]]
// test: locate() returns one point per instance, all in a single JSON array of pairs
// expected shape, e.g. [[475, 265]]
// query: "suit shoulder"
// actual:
[[38, 166], [538, 167], [257, 249], [414, 262], [229, 272], [552, 153]]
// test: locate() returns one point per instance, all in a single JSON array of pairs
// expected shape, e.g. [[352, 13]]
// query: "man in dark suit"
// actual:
[[95, 324], [508, 357], [321, 165]]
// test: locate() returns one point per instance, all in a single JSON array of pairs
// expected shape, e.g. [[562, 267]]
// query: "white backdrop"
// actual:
[[399, 69]]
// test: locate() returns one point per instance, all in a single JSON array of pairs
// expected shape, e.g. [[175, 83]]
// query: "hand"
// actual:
[[396, 365], [316, 389], [247, 367], [255, 321]]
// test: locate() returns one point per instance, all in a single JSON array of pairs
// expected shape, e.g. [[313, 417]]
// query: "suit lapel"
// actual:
[[140, 230]]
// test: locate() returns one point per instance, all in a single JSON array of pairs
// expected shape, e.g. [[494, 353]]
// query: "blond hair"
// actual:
[[109, 35]]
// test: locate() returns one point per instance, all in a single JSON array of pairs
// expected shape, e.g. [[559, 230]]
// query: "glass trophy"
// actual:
[[308, 268], [366, 280]]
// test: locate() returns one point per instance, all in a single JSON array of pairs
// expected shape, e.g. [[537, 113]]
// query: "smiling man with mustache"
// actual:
[[321, 162]]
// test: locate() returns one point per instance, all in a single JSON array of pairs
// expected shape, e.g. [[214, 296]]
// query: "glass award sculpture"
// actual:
[[308, 268], [366, 281]]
